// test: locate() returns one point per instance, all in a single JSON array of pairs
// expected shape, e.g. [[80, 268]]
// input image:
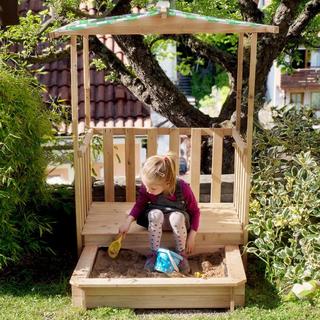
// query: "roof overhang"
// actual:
[[157, 22]]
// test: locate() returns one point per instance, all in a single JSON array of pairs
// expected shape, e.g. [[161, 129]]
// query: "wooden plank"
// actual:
[[252, 79], [108, 168], [85, 264], [78, 297], [232, 299], [154, 282], [130, 165], [195, 161], [239, 82], [170, 291], [74, 107], [120, 206], [216, 168], [86, 142], [234, 264], [81, 211], [174, 145], [152, 142], [163, 302], [87, 179], [237, 178], [86, 80], [238, 139], [163, 131]]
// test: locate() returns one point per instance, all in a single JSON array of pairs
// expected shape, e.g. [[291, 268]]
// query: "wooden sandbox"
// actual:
[[185, 292]]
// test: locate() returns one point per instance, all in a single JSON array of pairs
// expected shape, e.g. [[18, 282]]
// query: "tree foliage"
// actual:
[[298, 22], [24, 126], [285, 204]]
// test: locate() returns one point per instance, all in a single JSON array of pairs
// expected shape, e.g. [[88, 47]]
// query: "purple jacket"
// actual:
[[189, 198]]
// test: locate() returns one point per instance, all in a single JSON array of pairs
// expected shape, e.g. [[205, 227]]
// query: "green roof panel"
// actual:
[[86, 25]]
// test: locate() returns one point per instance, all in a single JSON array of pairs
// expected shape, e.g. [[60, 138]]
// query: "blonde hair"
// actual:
[[161, 170]]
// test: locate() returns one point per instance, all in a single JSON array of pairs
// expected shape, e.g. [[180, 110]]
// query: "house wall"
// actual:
[[277, 96]]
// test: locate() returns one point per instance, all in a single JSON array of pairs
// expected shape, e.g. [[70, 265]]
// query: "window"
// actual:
[[297, 98], [315, 100], [315, 58]]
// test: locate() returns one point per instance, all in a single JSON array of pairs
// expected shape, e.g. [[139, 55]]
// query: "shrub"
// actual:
[[285, 198], [24, 126]]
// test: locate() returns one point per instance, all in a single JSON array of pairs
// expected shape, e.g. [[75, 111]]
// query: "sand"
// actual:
[[129, 264]]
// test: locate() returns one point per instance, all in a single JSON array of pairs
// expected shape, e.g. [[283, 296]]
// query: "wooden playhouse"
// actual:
[[223, 225]]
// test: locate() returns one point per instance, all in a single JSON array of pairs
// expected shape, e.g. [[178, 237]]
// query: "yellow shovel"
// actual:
[[114, 247]]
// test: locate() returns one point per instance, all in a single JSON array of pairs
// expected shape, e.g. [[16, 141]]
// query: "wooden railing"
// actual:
[[82, 163], [241, 180], [129, 134]]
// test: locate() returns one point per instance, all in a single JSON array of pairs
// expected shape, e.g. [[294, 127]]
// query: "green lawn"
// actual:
[[39, 289]]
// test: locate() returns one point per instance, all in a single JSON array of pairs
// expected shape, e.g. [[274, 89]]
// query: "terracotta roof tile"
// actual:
[[111, 105]]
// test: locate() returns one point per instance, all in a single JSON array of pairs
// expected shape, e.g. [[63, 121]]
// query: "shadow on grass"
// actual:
[[259, 291], [46, 274]]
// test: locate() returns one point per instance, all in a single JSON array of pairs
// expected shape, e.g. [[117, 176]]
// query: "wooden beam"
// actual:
[[74, 107], [86, 80], [252, 80], [163, 131], [86, 143], [130, 165], [108, 165], [216, 168], [152, 142], [174, 145], [239, 81], [238, 139], [195, 161]]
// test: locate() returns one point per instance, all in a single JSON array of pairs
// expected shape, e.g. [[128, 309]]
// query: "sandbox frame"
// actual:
[[224, 292]]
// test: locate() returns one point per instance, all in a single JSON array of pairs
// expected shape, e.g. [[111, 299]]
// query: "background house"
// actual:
[[302, 87]]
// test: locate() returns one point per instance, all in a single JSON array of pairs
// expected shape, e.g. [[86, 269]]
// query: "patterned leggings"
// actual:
[[174, 221]]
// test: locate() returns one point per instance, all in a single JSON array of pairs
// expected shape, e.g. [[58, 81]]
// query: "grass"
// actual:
[[38, 288]]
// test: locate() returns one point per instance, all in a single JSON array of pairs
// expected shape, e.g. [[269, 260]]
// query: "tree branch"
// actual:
[[165, 97], [311, 9], [227, 60], [250, 12], [50, 57], [284, 15]]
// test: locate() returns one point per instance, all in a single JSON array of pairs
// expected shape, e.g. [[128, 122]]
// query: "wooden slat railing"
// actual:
[[241, 180], [130, 134], [83, 166]]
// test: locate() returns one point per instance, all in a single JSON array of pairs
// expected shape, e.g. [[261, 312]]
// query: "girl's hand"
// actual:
[[191, 240], [125, 226]]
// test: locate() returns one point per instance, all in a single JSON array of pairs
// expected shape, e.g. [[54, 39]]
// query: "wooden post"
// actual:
[[130, 165], [239, 82], [252, 80], [86, 80], [152, 142], [216, 166], [174, 145], [108, 165], [195, 161], [74, 105]]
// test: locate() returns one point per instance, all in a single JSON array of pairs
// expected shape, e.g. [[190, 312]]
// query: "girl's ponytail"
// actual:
[[161, 169]]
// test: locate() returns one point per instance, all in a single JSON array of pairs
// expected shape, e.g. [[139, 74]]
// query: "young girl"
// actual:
[[165, 203]]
